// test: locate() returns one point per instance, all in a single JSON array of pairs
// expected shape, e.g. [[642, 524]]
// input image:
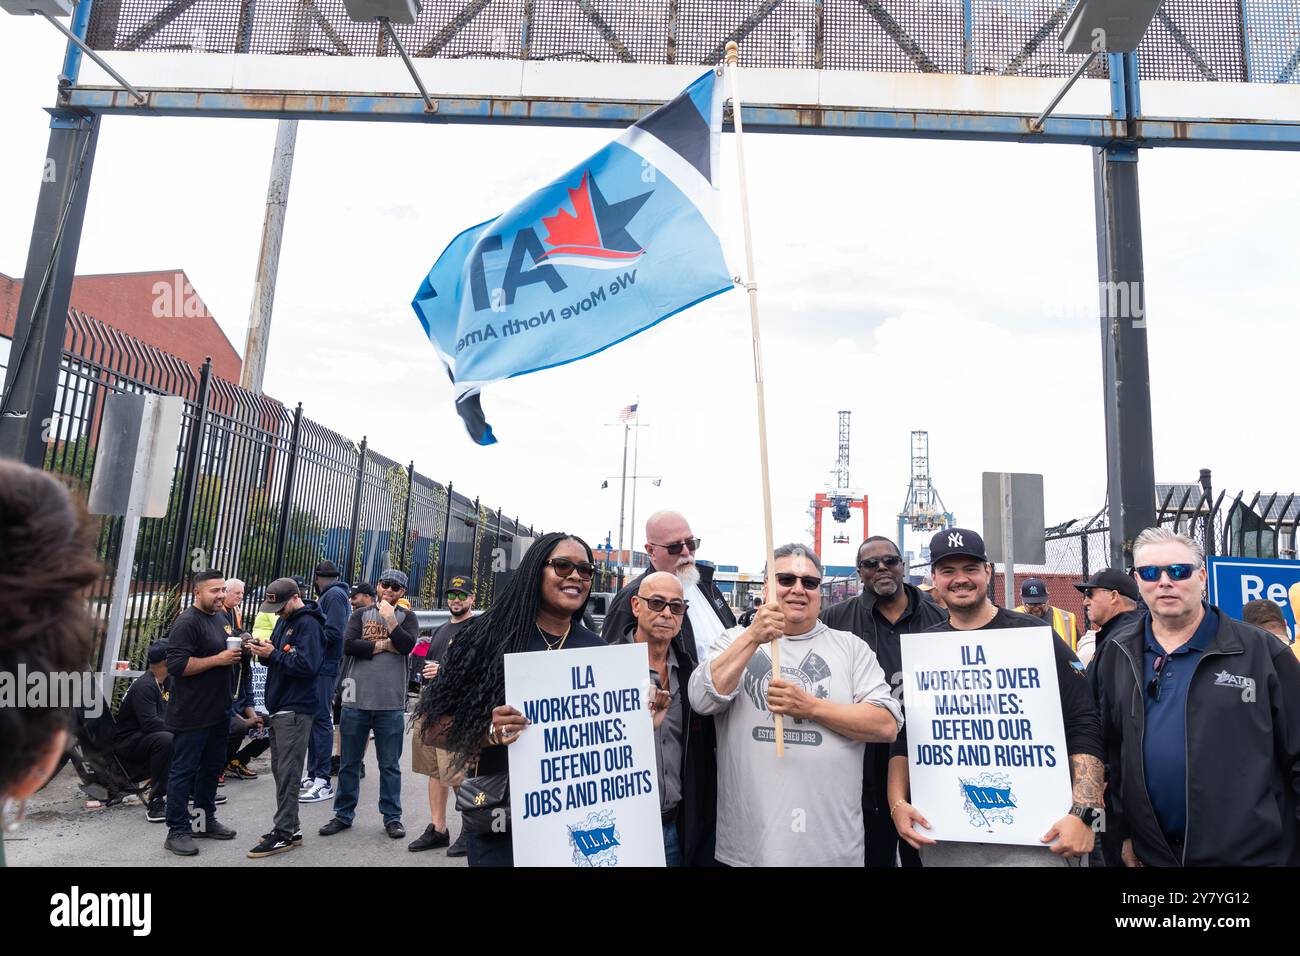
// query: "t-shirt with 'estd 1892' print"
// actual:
[[202, 699], [806, 808]]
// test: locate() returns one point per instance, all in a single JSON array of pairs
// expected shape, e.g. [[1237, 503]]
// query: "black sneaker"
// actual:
[[395, 829], [430, 839], [334, 826], [273, 843], [461, 846], [182, 844], [156, 811], [213, 829]]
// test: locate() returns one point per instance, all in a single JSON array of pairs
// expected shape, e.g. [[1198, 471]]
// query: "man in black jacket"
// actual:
[[672, 548], [1201, 720], [142, 742], [684, 740], [293, 659], [886, 608]]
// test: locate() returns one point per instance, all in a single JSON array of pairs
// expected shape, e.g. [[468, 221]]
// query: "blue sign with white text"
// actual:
[[1235, 582]]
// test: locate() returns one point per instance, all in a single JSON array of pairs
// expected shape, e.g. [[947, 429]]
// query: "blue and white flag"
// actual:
[[617, 244]]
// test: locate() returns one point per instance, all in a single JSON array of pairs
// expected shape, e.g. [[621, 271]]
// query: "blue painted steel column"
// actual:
[[968, 35], [72, 59], [1130, 466]]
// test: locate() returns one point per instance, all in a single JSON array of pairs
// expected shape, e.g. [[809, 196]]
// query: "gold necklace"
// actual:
[[549, 645]]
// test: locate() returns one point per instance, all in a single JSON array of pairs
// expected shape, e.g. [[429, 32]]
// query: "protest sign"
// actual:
[[584, 784], [985, 741]]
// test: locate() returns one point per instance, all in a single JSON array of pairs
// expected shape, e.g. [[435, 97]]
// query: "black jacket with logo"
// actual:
[[857, 616], [619, 616], [1243, 749], [697, 814]]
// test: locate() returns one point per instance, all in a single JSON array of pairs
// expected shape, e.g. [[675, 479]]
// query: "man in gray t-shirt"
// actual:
[[375, 646], [803, 809]]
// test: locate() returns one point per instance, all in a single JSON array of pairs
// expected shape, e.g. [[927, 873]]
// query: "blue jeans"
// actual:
[[354, 727], [320, 747], [197, 759], [672, 848]]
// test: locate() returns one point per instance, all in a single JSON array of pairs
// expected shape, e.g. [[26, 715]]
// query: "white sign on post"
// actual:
[[985, 741], [584, 783]]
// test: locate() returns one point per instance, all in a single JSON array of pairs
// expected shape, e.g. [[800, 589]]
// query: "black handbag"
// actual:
[[484, 803]]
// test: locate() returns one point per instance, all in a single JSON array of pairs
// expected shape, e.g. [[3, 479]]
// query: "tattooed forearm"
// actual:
[[1088, 775]]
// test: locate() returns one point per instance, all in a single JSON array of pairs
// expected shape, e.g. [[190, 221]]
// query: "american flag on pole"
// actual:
[[628, 413]]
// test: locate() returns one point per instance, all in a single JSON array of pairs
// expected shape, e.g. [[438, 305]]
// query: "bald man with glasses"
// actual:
[[684, 750], [672, 546]]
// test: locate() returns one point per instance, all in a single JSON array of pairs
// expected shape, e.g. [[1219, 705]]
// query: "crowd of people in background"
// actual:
[[1182, 725]]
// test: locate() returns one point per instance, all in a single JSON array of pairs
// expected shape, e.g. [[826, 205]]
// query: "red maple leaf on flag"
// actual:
[[568, 229]]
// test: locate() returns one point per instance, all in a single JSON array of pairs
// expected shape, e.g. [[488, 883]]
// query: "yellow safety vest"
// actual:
[[1063, 625]]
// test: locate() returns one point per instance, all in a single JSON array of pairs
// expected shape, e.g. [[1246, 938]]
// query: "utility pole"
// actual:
[[268, 258]]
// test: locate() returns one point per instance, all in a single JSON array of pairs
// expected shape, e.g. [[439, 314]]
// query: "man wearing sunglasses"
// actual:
[[1110, 598], [887, 607], [804, 809], [375, 643], [1201, 717], [684, 740], [672, 548], [962, 572]]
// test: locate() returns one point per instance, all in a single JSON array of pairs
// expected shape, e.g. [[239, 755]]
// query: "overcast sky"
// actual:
[[918, 284]]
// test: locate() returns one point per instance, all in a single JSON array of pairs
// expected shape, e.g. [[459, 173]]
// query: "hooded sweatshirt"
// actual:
[[292, 667]]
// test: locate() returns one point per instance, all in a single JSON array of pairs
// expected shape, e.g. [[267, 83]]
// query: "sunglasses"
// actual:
[[1153, 685], [391, 585], [564, 567], [870, 564], [1177, 572], [809, 584], [657, 604], [457, 595], [693, 544]]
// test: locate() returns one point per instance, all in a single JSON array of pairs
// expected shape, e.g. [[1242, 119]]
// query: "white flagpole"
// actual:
[[751, 286]]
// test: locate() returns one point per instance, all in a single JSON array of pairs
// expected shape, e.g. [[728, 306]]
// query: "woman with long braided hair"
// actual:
[[465, 705]]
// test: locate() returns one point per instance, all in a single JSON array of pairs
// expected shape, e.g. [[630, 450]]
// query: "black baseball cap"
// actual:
[[1033, 591], [327, 569], [362, 588], [278, 594], [962, 541], [157, 652], [1112, 580]]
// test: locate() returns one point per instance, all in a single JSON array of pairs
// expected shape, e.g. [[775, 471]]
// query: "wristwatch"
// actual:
[[1088, 815]]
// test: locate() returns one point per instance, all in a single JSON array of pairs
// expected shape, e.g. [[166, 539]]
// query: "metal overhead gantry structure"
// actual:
[[1204, 73], [840, 499], [923, 510]]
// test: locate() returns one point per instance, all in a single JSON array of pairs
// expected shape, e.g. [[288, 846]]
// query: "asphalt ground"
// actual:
[[57, 830]]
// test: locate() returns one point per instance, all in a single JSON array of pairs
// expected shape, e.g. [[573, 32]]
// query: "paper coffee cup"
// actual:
[[233, 643], [122, 665]]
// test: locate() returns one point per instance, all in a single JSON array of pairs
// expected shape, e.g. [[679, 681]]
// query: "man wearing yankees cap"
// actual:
[[962, 572]]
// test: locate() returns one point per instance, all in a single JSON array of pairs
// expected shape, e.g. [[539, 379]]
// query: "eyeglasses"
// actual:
[[391, 585], [1153, 685], [691, 544], [564, 567], [809, 584], [1177, 572], [870, 564], [657, 604], [457, 595]]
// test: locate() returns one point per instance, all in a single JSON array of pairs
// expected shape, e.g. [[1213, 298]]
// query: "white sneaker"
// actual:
[[319, 791], [304, 786]]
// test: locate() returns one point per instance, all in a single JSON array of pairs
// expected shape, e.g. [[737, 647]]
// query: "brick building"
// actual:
[[161, 308]]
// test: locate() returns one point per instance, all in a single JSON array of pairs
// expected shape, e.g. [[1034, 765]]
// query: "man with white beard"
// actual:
[[672, 547]]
